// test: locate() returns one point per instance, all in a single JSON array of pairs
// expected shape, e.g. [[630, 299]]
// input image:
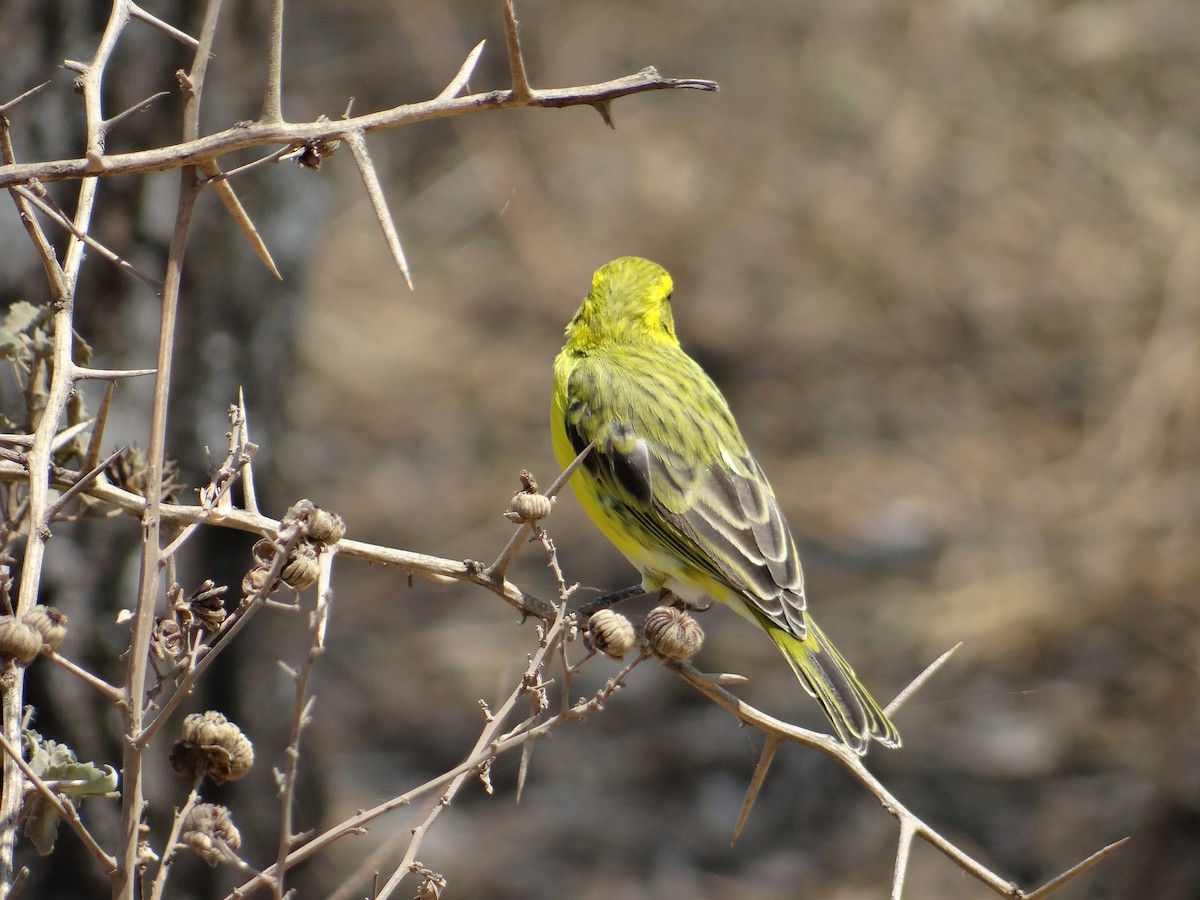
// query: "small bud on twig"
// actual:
[[50, 623], [611, 633], [212, 747], [672, 633], [301, 568], [210, 831], [528, 505], [19, 639]]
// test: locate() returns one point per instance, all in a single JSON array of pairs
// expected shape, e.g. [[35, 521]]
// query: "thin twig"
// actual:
[[256, 134], [300, 716], [854, 764], [141, 106], [12, 104], [164, 865], [220, 641], [45, 250], [249, 492], [143, 619], [272, 110], [110, 691], [436, 568], [510, 741], [47, 206], [917, 683], [183, 37], [101, 422], [487, 736], [1075, 871], [500, 567], [81, 485], [903, 851]]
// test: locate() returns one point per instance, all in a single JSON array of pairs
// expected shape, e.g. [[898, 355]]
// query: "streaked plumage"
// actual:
[[671, 483]]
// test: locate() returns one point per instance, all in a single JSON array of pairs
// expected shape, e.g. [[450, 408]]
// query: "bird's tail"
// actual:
[[828, 677]]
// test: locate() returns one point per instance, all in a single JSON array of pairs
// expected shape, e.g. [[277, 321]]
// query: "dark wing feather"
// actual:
[[688, 480]]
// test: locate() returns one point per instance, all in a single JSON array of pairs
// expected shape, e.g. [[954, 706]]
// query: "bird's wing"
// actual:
[[687, 478]]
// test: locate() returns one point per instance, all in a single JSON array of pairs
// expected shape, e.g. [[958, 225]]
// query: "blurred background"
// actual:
[[944, 260]]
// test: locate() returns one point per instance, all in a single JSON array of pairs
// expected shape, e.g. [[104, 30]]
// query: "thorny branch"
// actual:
[[777, 731], [197, 155]]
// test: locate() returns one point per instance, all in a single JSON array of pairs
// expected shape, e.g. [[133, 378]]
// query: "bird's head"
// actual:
[[629, 303]]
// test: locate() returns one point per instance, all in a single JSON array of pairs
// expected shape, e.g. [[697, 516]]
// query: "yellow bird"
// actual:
[[671, 483]]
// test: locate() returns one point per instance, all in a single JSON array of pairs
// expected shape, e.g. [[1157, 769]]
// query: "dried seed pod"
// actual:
[[209, 830], [211, 746], [253, 581], [529, 507], [166, 641], [301, 568], [263, 552], [131, 471], [325, 527], [672, 633], [19, 639], [611, 633], [50, 623], [206, 606]]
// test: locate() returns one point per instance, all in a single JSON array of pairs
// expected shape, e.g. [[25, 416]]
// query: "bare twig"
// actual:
[[1075, 871], [436, 568], [42, 245], [9, 105], [47, 206], [499, 568], [487, 736], [854, 764], [516, 738], [272, 110], [109, 691], [300, 717], [143, 619], [917, 683], [195, 151], [903, 851], [249, 492], [81, 485], [62, 278], [221, 640], [183, 37], [164, 865], [140, 106]]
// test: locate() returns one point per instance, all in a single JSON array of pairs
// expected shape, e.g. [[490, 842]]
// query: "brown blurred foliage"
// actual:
[[944, 260]]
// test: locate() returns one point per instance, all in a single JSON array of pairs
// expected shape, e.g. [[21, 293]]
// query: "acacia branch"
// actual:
[[257, 134], [910, 823], [133, 707], [436, 568]]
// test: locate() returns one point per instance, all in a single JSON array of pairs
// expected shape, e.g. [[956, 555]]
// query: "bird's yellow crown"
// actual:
[[629, 303]]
